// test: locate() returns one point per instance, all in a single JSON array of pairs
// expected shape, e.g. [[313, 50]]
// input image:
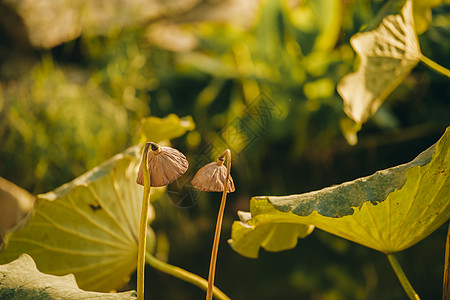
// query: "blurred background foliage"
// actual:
[[258, 77]]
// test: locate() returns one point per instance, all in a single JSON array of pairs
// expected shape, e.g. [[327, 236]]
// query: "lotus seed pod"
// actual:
[[165, 165], [210, 178]]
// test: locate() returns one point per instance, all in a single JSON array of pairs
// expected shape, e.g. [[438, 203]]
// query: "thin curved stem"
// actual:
[[215, 248], [183, 275], [446, 285], [435, 66], [402, 277], [143, 226]]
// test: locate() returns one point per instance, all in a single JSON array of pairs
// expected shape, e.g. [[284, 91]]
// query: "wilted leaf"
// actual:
[[388, 53], [21, 280], [389, 211], [157, 129], [88, 227]]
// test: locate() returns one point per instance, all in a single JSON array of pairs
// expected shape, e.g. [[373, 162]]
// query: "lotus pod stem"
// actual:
[[143, 226], [212, 264]]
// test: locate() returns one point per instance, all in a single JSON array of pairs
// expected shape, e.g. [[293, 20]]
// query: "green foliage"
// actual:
[[388, 211], [58, 120], [296, 62], [88, 227], [22, 280], [91, 224], [64, 110]]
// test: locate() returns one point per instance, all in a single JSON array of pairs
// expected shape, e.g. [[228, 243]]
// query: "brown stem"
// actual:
[[446, 286], [212, 264]]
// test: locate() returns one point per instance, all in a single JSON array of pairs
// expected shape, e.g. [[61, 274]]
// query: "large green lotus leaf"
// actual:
[[88, 227], [389, 211], [21, 280], [388, 53], [158, 129]]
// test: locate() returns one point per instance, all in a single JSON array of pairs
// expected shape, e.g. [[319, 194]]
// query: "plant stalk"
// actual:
[[402, 277], [446, 286], [435, 66], [143, 226], [183, 275], [215, 248]]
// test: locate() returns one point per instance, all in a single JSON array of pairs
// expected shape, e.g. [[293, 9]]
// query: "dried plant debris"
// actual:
[[165, 165], [211, 178]]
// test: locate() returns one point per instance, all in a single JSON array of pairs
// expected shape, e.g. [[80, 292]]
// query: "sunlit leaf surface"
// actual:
[[157, 129], [273, 236], [87, 227], [388, 53], [21, 279], [389, 211]]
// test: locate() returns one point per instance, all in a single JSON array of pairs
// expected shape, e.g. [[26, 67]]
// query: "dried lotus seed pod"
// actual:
[[165, 165], [211, 177]]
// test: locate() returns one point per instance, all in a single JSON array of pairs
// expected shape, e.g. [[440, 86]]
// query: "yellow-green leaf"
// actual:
[[273, 236], [328, 16], [21, 280], [388, 53], [388, 211], [422, 13], [158, 129], [87, 227]]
